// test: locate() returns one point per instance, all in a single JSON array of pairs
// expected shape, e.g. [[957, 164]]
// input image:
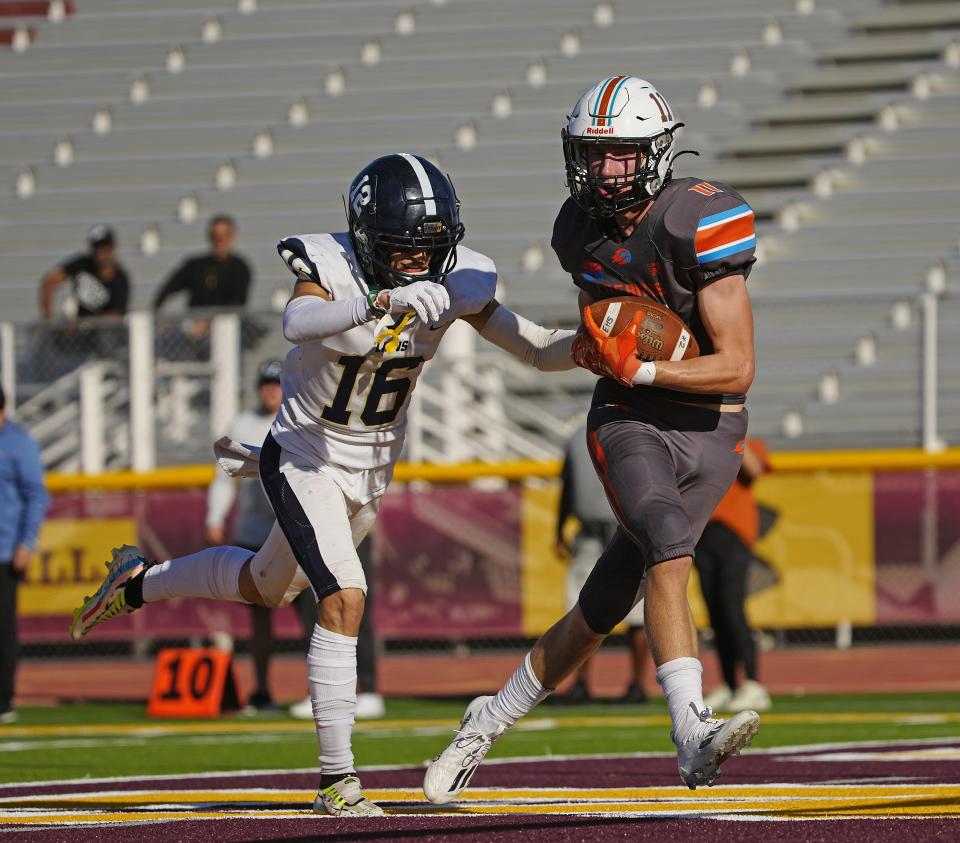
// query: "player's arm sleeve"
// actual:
[[309, 318], [544, 349], [312, 317], [724, 241]]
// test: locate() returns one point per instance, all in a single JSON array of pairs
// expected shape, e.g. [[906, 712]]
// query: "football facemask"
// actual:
[[383, 249]]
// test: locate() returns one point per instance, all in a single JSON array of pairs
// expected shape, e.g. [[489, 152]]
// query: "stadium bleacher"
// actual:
[[836, 119]]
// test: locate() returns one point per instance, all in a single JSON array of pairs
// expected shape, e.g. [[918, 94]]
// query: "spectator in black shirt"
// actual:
[[101, 286], [219, 278]]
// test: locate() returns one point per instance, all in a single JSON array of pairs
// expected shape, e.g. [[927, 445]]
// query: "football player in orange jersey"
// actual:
[[663, 435]]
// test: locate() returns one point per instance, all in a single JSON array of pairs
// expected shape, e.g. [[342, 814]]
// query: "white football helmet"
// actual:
[[626, 111]]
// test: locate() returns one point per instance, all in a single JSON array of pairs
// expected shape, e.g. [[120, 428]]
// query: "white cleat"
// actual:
[[450, 772], [370, 707], [108, 601], [344, 798], [750, 696], [711, 742]]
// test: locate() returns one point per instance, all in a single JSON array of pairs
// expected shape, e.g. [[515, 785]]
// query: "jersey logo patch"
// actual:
[[592, 271], [704, 188], [388, 332], [725, 234], [622, 256]]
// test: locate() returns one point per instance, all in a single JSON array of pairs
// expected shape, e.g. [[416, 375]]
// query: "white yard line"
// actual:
[[526, 759]]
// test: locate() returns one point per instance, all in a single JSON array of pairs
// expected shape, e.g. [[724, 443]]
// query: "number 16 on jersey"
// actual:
[[382, 386]]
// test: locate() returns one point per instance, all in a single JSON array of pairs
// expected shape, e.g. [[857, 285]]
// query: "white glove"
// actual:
[[428, 299]]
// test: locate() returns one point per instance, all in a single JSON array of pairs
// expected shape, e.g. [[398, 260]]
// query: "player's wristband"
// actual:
[[645, 374], [375, 308]]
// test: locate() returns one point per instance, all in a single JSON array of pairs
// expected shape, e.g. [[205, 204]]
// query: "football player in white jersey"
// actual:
[[369, 308]]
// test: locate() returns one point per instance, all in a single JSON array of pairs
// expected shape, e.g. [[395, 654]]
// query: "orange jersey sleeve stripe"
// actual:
[[727, 232]]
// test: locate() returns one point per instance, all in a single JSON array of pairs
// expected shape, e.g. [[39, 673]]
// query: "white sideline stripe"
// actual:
[[190, 740], [525, 759], [815, 747], [424, 179], [267, 735]]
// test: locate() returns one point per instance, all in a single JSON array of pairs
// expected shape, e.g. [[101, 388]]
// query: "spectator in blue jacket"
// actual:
[[23, 503]]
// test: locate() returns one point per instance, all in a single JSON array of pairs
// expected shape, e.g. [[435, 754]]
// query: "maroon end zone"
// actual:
[[907, 815]]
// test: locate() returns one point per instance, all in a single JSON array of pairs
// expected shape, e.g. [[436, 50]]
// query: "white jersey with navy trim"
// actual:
[[344, 400]]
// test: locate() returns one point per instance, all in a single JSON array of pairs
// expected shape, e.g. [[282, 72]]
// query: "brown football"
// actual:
[[662, 334]]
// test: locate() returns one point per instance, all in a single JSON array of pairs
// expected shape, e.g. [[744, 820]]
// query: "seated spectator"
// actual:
[[218, 278], [100, 285]]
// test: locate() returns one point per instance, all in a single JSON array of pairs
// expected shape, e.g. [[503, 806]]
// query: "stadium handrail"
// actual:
[[903, 459]]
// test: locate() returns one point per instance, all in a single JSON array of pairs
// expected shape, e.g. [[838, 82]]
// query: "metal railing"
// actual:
[[164, 390], [152, 390]]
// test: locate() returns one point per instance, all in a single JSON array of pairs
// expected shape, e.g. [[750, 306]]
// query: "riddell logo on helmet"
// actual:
[[599, 130]]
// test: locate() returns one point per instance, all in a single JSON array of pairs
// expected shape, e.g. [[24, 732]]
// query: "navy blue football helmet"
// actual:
[[403, 202]]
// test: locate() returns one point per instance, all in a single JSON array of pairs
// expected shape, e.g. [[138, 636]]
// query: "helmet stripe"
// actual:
[[606, 99], [669, 110], [661, 103], [613, 99], [596, 105], [424, 179]]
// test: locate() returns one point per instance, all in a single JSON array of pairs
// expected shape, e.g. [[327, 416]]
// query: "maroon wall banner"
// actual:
[[917, 522], [446, 564], [449, 561]]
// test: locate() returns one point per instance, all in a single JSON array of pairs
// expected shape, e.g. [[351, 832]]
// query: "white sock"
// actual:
[[682, 683], [332, 672], [521, 693], [213, 573]]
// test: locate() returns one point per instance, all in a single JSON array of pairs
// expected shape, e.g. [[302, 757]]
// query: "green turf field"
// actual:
[[76, 741]]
